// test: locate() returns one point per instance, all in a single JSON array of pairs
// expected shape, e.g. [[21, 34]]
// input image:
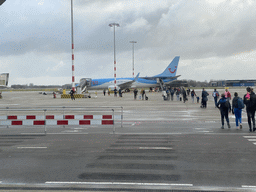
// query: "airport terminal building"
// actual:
[[232, 83], [4, 78]]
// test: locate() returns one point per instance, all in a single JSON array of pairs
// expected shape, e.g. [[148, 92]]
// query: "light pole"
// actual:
[[133, 57], [73, 57], [2, 1], [114, 25]]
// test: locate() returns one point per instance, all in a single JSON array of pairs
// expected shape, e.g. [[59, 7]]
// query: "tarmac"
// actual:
[[159, 145]]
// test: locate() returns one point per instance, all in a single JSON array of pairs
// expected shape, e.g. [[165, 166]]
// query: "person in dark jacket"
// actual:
[[184, 94], [72, 92], [204, 98], [120, 92], [237, 111], [115, 92], [193, 94], [135, 91], [172, 93], [250, 102], [225, 108]]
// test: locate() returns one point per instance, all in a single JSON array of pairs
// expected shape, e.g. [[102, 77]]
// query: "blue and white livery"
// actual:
[[166, 77]]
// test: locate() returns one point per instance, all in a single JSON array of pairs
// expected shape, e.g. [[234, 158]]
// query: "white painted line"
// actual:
[[201, 128], [31, 147], [119, 183], [254, 143], [80, 128], [9, 104], [248, 186], [251, 139], [155, 148], [71, 131], [67, 133]]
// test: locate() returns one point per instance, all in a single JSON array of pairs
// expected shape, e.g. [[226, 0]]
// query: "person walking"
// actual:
[[172, 93], [184, 95], [224, 106], [188, 92], [193, 94], [228, 95], [135, 91], [115, 92], [178, 94], [104, 92], [250, 102], [215, 95], [142, 93], [72, 94], [120, 92], [168, 94], [204, 98], [237, 106]]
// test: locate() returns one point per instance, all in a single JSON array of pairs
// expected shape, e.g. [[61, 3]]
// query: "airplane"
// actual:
[[162, 79]]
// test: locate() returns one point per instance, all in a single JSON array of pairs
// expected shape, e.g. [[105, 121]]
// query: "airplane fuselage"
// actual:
[[168, 75], [106, 83]]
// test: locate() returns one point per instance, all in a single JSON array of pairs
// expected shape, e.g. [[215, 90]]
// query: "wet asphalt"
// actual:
[[159, 145]]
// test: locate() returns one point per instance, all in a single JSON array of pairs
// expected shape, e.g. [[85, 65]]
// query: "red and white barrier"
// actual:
[[57, 120]]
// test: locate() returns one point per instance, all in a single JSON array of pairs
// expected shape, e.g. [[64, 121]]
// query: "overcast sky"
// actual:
[[215, 39]]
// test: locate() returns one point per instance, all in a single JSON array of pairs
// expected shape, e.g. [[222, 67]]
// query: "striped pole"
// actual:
[[73, 57], [114, 25], [133, 57]]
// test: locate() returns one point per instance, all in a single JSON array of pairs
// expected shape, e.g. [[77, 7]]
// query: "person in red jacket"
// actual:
[[227, 95]]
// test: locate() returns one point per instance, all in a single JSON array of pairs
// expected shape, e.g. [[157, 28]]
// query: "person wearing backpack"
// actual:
[[250, 102], [215, 95], [193, 94], [224, 106], [237, 106]]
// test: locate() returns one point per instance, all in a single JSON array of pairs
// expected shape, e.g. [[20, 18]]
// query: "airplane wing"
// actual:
[[129, 83], [154, 78], [170, 82]]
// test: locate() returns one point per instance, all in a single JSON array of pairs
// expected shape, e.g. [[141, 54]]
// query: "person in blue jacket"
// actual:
[[237, 111], [224, 107]]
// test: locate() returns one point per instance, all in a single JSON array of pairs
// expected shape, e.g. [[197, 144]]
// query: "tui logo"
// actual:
[[171, 70]]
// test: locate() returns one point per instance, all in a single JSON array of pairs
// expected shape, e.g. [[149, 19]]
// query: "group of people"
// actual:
[[181, 94], [120, 92], [238, 103], [142, 92], [224, 103]]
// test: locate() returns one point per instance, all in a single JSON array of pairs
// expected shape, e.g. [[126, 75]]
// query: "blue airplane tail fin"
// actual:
[[136, 78], [171, 70]]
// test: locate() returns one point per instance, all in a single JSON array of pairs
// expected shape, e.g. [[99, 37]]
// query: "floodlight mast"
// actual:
[[114, 25], [133, 57], [73, 57]]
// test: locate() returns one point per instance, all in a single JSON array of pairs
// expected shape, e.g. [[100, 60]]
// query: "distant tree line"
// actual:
[[189, 83]]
